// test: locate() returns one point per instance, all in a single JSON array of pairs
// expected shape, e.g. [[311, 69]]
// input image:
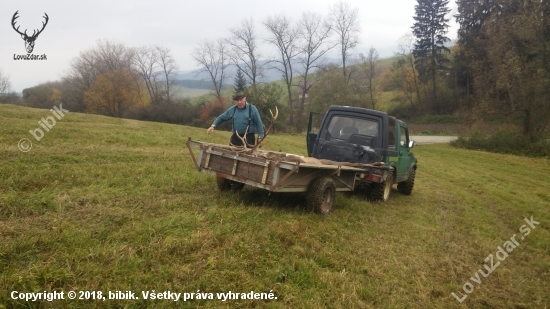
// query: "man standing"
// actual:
[[246, 119]]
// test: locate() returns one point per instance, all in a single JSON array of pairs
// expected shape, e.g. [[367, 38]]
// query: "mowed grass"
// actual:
[[103, 204], [184, 92]]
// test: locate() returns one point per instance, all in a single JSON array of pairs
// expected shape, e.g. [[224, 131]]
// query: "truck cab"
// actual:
[[360, 135]]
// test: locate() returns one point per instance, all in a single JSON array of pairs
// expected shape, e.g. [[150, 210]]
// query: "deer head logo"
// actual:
[[29, 40]]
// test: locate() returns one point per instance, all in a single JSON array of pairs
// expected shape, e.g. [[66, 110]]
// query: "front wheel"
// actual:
[[406, 187], [322, 194], [381, 191]]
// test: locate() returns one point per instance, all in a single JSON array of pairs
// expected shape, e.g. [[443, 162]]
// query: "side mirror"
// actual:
[[411, 144]]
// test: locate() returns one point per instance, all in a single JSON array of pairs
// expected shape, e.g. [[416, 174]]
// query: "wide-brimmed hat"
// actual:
[[239, 95]]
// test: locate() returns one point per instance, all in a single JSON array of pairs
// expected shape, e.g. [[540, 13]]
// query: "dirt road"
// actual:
[[426, 139]]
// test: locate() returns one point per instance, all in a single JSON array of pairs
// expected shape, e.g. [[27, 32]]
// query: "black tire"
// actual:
[[225, 184], [381, 191], [321, 195], [237, 186], [406, 187]]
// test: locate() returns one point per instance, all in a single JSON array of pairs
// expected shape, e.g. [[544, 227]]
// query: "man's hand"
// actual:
[[210, 130]]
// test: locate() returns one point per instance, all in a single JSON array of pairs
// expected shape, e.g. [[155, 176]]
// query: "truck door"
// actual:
[[313, 125], [405, 159]]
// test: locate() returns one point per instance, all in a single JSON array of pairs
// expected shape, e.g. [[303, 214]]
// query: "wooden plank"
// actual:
[[240, 157], [188, 144], [264, 177], [234, 167], [243, 170]]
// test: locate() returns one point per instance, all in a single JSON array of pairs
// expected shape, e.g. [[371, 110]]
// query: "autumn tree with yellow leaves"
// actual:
[[114, 93]]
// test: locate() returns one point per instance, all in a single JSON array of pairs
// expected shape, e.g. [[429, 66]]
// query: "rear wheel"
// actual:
[[381, 191], [225, 184], [322, 194], [237, 186], [406, 187]]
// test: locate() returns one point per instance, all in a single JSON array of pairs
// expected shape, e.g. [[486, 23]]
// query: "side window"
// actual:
[[315, 121], [335, 126], [391, 139], [391, 133], [404, 137]]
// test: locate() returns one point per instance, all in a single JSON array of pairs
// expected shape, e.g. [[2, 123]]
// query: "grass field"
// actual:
[[103, 204], [184, 92]]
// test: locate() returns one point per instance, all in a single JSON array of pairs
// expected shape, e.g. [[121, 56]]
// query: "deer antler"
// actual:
[[273, 118], [13, 24], [34, 33], [245, 147], [43, 25]]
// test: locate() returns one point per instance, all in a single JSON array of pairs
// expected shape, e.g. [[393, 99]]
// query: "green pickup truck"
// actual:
[[360, 135], [349, 149]]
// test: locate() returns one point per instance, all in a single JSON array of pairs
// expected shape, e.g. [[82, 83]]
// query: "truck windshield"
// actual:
[[343, 127]]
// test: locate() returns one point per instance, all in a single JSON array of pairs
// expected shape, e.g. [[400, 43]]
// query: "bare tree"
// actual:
[[5, 84], [345, 23], [155, 65], [107, 56], [406, 45], [79, 79], [83, 70], [283, 36], [313, 43], [112, 56], [369, 64], [146, 64], [214, 60], [168, 66], [244, 52]]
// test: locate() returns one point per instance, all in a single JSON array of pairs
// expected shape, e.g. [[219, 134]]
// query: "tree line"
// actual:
[[504, 59], [498, 66], [300, 48], [498, 69]]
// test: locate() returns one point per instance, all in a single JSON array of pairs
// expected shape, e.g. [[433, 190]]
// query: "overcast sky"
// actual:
[[75, 26]]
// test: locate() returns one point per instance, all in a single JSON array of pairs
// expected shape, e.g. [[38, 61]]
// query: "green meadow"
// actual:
[[107, 204]]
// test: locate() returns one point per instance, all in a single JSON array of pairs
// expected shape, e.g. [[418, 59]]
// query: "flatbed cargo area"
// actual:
[[281, 172]]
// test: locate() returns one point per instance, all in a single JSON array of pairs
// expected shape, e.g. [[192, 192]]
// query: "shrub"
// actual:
[[168, 112], [403, 111], [429, 119], [506, 142]]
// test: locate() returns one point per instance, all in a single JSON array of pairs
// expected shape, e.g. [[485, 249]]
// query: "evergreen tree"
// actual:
[[430, 29], [471, 16], [240, 82]]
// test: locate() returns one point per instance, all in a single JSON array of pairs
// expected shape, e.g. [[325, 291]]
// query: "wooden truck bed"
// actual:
[[269, 169]]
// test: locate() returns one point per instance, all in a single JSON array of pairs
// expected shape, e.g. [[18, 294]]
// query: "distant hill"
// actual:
[[186, 78], [196, 84], [192, 75], [187, 92], [191, 79]]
